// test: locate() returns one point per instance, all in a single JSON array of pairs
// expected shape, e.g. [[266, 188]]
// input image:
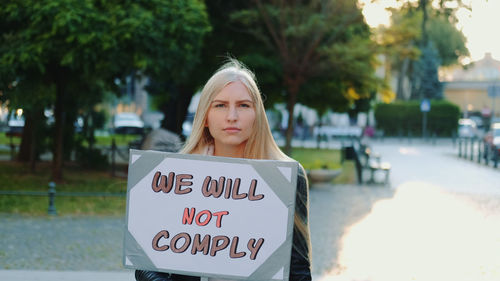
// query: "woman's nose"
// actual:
[[232, 113]]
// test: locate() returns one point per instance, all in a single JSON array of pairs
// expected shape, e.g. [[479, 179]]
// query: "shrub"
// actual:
[[401, 118]]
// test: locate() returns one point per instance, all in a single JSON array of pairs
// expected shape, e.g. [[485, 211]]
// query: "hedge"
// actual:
[[404, 118]]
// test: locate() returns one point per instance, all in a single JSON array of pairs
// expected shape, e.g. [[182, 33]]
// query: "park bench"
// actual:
[[365, 159], [374, 163]]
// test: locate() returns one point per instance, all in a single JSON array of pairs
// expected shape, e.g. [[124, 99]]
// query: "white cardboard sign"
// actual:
[[210, 216]]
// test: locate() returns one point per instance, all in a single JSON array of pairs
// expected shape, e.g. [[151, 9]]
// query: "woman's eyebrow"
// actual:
[[238, 101]]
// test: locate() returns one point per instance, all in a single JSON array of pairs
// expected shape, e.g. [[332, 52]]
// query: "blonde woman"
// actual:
[[230, 121]]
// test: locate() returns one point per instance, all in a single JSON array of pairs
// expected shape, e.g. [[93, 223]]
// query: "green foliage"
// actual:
[[401, 118], [78, 48], [323, 49], [448, 40], [170, 37], [398, 39], [322, 42], [413, 26]]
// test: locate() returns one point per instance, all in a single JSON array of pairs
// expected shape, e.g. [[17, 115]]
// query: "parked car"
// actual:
[[187, 125], [15, 123], [466, 128], [492, 139], [478, 120], [128, 123]]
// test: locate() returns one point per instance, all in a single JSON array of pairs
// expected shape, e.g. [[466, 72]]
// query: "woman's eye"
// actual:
[[220, 105], [244, 105]]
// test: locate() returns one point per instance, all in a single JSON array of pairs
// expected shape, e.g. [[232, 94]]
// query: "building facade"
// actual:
[[469, 88]]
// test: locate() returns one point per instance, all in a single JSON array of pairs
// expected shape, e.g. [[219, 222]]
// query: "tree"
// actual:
[[172, 96], [171, 63], [436, 22], [429, 9], [34, 135], [311, 39], [426, 83], [399, 45], [68, 44], [448, 41]]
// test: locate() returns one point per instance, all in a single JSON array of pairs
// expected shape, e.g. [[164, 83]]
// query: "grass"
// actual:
[[5, 152], [121, 140], [15, 176], [5, 140], [313, 158]]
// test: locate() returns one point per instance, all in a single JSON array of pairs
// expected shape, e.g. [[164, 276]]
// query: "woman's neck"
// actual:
[[229, 151]]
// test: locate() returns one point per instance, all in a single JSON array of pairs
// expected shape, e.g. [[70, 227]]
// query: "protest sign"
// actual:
[[210, 216]]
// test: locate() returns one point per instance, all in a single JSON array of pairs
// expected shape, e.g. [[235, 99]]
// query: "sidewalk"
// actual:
[[42, 275], [94, 249], [440, 220]]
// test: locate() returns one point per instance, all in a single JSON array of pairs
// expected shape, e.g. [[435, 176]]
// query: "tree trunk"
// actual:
[[33, 152], [423, 6], [57, 160], [400, 91], [185, 96], [25, 151], [176, 108]]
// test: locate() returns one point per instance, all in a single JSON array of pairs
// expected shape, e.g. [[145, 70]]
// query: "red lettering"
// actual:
[[188, 216], [207, 219], [219, 217]]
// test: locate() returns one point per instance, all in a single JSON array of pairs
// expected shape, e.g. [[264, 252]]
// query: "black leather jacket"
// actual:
[[300, 262]]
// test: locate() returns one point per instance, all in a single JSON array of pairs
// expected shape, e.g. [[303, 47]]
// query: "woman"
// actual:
[[230, 121]]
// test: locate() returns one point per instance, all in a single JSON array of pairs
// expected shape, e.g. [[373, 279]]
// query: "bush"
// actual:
[[402, 118]]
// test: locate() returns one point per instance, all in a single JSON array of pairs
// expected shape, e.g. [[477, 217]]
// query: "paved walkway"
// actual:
[[441, 223], [439, 220]]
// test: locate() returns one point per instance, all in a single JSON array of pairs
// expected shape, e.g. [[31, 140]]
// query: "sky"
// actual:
[[477, 25]]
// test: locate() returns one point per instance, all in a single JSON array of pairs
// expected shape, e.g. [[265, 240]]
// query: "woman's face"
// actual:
[[230, 118]]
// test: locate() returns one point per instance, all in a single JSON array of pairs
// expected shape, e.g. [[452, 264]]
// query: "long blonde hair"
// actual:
[[261, 144]]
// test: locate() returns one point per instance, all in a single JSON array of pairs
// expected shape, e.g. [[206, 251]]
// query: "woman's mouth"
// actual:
[[232, 130]]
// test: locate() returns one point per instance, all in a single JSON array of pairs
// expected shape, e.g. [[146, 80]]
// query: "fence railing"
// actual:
[[476, 149]]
